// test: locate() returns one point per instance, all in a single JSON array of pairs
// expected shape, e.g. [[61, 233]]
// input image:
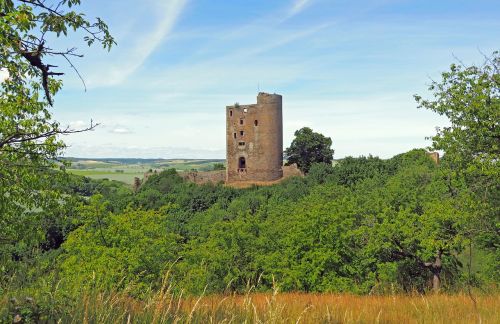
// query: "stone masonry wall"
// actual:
[[254, 140]]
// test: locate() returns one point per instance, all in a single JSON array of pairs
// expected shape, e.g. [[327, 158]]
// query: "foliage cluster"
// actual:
[[365, 225], [30, 142], [308, 148]]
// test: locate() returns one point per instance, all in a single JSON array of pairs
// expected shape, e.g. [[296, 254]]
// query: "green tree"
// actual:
[[418, 221], [218, 166], [29, 137], [470, 98], [131, 248], [308, 148], [309, 244], [350, 170]]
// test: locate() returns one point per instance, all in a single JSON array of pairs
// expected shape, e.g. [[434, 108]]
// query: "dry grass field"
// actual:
[[162, 307], [330, 308]]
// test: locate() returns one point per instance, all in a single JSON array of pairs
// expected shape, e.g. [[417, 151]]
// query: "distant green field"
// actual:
[[123, 177], [125, 170]]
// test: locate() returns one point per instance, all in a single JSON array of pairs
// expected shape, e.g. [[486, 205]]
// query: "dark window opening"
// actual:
[[241, 121], [241, 143], [234, 135], [242, 163], [231, 113], [242, 133], [256, 122]]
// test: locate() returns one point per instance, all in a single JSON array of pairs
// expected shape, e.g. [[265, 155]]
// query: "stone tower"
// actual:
[[254, 140]]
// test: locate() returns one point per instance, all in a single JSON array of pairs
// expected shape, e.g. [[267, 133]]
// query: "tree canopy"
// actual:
[[469, 96], [309, 147], [30, 141], [395, 224]]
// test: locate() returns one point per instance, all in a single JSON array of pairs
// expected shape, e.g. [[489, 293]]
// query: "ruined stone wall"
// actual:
[[434, 156], [254, 140], [292, 171], [288, 172], [201, 177]]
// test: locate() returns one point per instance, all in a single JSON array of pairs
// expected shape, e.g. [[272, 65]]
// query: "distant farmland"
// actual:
[[125, 170]]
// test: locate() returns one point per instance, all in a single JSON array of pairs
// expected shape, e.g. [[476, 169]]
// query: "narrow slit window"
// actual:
[[241, 121], [234, 135], [256, 122], [231, 113], [242, 133]]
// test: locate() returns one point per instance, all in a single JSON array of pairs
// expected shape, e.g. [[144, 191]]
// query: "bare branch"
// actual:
[[459, 60], [20, 137], [76, 70]]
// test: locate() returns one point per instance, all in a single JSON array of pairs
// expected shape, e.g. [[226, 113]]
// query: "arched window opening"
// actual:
[[256, 122], [231, 113], [242, 163], [241, 121]]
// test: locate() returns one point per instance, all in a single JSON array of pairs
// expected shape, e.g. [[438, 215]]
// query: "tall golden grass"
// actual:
[[165, 307], [344, 308]]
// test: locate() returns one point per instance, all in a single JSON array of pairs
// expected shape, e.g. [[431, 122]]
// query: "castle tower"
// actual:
[[254, 140]]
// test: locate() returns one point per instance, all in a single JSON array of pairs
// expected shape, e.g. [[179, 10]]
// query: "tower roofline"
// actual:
[[265, 94]]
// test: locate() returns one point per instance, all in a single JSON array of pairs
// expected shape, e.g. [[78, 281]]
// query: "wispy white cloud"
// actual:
[[338, 68], [265, 23], [298, 6], [78, 124], [214, 71], [154, 152], [142, 46], [288, 37], [120, 130]]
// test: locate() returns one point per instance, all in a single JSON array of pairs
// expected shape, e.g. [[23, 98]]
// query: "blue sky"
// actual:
[[347, 69]]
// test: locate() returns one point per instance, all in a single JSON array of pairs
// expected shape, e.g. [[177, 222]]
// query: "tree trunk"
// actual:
[[436, 268], [436, 280]]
